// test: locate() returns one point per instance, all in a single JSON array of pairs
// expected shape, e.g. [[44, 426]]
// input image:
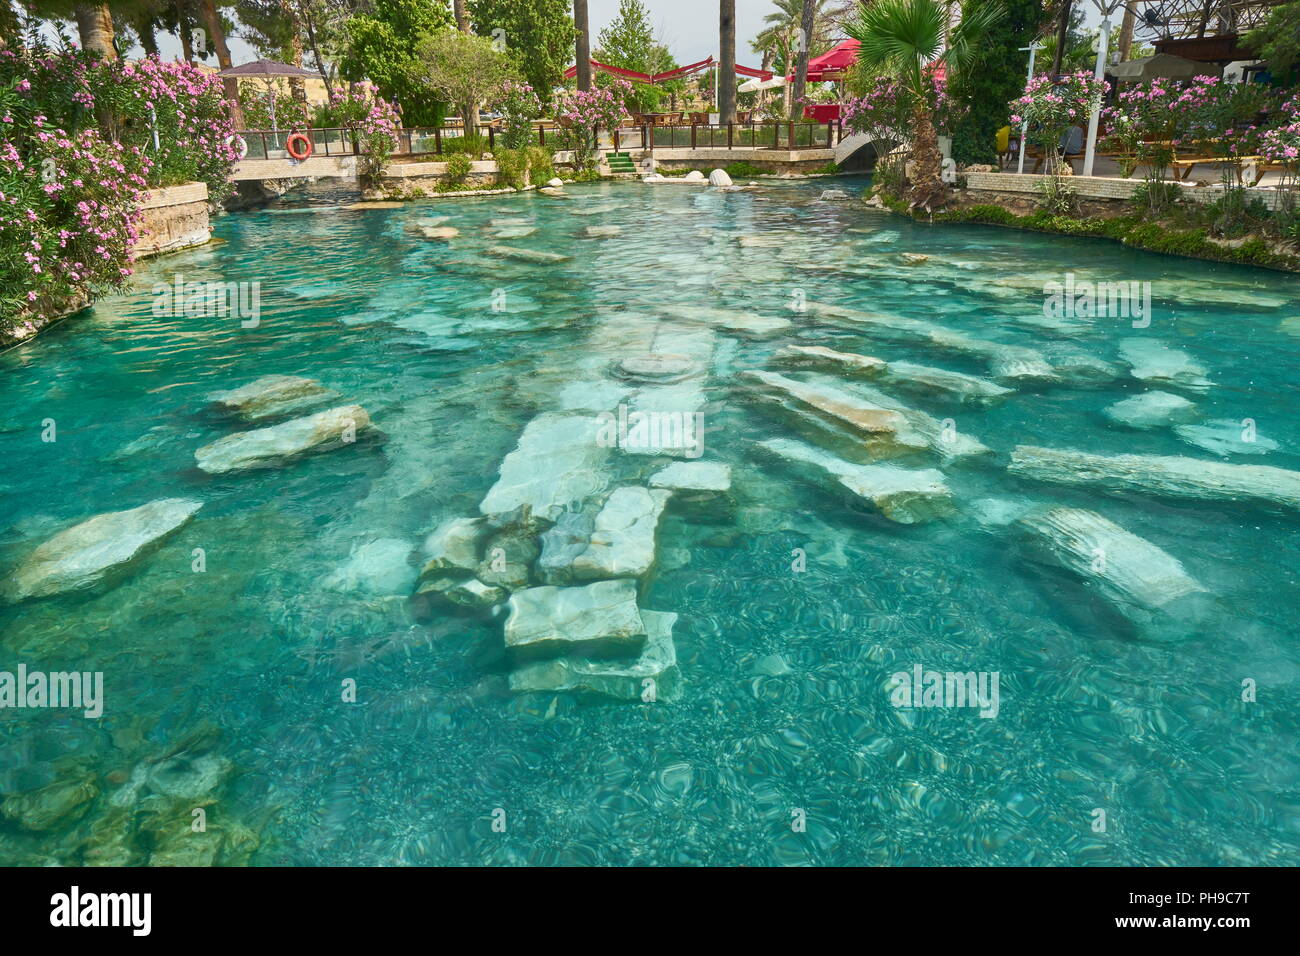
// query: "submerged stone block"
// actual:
[[904, 495], [1141, 581], [1160, 476], [277, 445], [81, 556], [600, 619], [650, 677]]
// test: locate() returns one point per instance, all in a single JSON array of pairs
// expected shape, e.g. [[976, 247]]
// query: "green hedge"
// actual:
[[1130, 230]]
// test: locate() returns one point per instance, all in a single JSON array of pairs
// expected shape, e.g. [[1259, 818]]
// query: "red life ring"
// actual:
[[299, 154]]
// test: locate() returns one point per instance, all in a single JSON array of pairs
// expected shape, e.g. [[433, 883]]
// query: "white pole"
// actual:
[[1024, 126], [1094, 114]]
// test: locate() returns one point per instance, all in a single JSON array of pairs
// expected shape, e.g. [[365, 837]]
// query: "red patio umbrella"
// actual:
[[832, 64]]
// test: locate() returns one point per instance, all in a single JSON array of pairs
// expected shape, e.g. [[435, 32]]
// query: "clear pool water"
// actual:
[[785, 704]]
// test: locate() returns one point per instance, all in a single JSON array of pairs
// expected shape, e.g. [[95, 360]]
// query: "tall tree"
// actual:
[[806, 24], [381, 46], [909, 39], [216, 34], [538, 36], [468, 70], [988, 91], [582, 43], [629, 44], [727, 61]]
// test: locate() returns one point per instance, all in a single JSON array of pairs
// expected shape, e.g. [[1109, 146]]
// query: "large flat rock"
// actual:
[[1141, 581], [1160, 476], [80, 557], [1154, 361], [1009, 364], [600, 619], [557, 462], [652, 675], [1152, 410], [838, 419], [904, 495], [623, 537], [1226, 436], [739, 321], [279, 444], [927, 382], [273, 396], [819, 356]]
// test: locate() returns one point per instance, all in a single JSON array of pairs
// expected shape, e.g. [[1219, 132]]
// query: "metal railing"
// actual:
[[439, 141]]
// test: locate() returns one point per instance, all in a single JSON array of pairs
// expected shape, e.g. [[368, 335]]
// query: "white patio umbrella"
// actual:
[[754, 85]]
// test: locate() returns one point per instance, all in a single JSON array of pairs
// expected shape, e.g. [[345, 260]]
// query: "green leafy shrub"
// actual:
[[458, 167], [541, 165], [512, 165], [469, 145]]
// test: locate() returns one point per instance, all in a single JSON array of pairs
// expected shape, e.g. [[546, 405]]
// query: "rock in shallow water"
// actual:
[[905, 495], [1152, 410], [275, 446], [1144, 583], [1153, 361], [597, 620], [273, 396], [1225, 437], [623, 537], [1165, 477], [652, 675], [81, 556], [557, 462]]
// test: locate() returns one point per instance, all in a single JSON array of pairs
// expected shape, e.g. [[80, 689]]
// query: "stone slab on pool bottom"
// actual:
[[623, 537], [1152, 410], [1160, 476], [601, 619], [273, 396], [79, 557], [558, 461], [905, 495], [1140, 580], [652, 675], [278, 444]]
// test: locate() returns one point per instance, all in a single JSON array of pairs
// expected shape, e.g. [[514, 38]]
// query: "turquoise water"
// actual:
[[1092, 715]]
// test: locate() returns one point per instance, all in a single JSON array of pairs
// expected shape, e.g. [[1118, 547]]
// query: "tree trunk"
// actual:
[[582, 25], [95, 26], [297, 86], [805, 45], [1126, 34], [927, 189], [1062, 28], [305, 12], [212, 20], [148, 40], [727, 61], [469, 115], [183, 28], [785, 88]]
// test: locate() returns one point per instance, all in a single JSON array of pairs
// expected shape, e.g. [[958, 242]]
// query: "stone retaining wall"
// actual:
[[174, 218]]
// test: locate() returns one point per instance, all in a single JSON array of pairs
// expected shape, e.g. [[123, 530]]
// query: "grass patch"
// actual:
[[1132, 231]]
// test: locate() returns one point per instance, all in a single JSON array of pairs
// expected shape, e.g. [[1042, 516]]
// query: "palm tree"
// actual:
[[806, 22], [727, 61], [95, 27], [582, 25], [905, 39]]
